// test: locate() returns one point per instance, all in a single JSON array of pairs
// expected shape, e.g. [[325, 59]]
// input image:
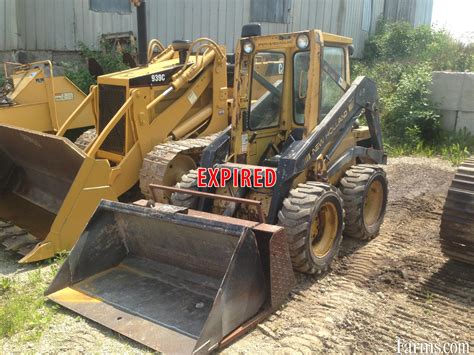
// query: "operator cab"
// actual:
[[278, 82]]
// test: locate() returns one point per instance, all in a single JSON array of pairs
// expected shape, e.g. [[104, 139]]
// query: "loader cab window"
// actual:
[[266, 90], [331, 92], [300, 84]]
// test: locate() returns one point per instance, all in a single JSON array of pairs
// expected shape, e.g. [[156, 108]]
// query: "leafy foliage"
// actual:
[[400, 41], [401, 58], [109, 59]]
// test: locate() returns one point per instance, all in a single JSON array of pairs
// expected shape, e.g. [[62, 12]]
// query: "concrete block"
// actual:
[[446, 90], [448, 119], [465, 120], [6, 56], [467, 99]]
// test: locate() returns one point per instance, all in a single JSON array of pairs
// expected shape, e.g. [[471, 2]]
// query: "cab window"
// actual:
[[266, 90], [300, 84], [331, 92]]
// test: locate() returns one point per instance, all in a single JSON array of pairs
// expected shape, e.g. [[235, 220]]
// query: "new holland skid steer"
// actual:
[[457, 220], [34, 98], [50, 188], [192, 277]]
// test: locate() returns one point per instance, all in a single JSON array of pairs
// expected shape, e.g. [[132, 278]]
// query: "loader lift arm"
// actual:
[[326, 137]]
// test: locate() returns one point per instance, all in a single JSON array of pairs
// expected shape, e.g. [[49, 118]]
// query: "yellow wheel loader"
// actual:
[[193, 276], [32, 97], [50, 188], [457, 220]]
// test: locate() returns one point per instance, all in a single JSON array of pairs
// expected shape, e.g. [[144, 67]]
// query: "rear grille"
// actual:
[[111, 99]]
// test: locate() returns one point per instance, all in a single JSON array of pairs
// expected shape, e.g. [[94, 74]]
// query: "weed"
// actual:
[[109, 60], [455, 153], [400, 58], [58, 260], [5, 284], [23, 307], [429, 297]]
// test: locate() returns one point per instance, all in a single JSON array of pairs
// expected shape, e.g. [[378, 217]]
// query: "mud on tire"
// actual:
[[86, 138], [188, 181], [364, 189], [302, 209]]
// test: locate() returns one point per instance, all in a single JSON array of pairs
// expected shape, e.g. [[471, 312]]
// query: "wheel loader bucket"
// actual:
[[176, 282], [36, 172]]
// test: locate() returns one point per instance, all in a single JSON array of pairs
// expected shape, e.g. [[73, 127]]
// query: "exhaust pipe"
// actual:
[[142, 33]]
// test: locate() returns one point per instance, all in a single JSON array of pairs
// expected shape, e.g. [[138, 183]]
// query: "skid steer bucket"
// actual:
[[175, 280], [49, 189]]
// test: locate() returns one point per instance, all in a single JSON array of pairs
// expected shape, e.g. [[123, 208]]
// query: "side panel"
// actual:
[[67, 98]]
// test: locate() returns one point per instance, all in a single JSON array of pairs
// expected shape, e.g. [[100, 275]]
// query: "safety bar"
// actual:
[[258, 204]]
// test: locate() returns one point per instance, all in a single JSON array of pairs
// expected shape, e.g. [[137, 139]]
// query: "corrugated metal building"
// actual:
[[60, 25]]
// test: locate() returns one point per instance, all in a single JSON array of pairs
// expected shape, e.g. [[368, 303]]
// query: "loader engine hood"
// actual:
[[152, 75]]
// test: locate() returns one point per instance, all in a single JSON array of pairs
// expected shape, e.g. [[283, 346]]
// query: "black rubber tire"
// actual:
[[86, 138], [457, 220], [188, 181], [299, 210], [354, 188]]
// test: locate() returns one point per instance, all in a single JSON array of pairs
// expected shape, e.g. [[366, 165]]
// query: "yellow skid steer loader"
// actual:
[[190, 278], [32, 97]]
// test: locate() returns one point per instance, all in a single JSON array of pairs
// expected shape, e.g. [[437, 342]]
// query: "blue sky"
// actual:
[[456, 17]]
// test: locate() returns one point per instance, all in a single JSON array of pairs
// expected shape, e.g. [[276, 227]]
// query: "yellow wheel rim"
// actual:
[[324, 229], [373, 203]]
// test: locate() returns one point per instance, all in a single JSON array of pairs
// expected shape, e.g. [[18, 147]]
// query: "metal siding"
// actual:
[[3, 27], [69, 21], [213, 19], [423, 12], [29, 32], [377, 13], [11, 25], [20, 23], [119, 6], [63, 24], [274, 11]]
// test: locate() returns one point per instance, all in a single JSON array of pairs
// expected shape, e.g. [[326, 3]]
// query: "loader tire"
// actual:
[[188, 181], [364, 189], [457, 220], [313, 217], [86, 138]]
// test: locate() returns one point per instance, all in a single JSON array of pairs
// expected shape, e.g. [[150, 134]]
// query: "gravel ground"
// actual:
[[397, 286]]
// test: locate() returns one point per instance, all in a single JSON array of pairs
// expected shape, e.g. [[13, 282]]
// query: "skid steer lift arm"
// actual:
[[326, 137]]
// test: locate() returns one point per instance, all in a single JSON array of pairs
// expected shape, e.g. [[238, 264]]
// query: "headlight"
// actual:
[[248, 47], [302, 41]]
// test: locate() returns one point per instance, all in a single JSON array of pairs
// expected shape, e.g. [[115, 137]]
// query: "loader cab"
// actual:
[[287, 84]]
